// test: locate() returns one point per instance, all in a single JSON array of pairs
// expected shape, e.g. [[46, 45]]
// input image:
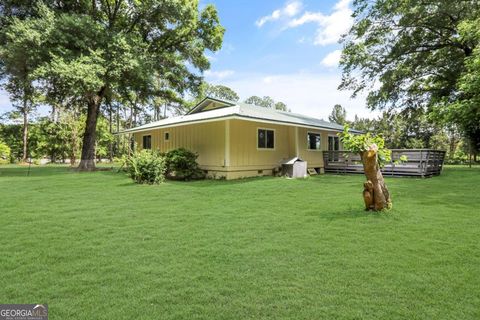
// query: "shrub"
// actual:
[[182, 165], [4, 153], [146, 167]]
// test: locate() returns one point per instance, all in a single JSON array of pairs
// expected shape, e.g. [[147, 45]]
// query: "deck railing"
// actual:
[[420, 162]]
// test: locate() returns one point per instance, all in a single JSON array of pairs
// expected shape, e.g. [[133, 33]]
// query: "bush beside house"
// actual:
[[182, 165], [152, 167], [146, 167]]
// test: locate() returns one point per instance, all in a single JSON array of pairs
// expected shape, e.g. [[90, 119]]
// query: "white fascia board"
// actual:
[[232, 117]]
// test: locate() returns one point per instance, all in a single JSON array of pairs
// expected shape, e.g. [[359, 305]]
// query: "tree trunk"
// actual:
[[117, 146], [110, 120], [25, 133], [375, 194], [87, 162]]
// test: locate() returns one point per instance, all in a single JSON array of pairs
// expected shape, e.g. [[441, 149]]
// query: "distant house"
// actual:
[[236, 140]]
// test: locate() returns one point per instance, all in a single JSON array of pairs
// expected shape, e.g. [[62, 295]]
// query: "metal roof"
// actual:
[[241, 111]]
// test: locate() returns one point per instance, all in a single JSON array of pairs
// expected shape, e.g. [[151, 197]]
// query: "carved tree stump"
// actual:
[[375, 194]]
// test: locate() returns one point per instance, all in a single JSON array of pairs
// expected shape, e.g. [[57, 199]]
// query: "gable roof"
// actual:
[[224, 110]]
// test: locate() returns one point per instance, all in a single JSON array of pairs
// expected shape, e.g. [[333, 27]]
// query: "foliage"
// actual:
[[19, 57], [221, 92], [182, 164], [281, 106], [104, 138], [255, 100], [360, 143], [412, 49], [267, 102], [91, 50], [417, 55], [146, 167], [465, 110], [4, 152], [58, 140], [52, 141], [12, 135], [338, 115], [411, 128]]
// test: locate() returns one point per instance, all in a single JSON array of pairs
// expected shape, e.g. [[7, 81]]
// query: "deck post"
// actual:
[[421, 164], [428, 161], [392, 163]]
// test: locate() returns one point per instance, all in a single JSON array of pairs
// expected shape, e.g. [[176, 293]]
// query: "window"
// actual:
[[147, 142], [313, 140], [167, 136], [265, 139], [333, 145]]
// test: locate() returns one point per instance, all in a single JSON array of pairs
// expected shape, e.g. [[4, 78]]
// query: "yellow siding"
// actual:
[[243, 146], [244, 158], [314, 158], [207, 139]]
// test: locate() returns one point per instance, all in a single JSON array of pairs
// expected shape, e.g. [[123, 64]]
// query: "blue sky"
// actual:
[[285, 49]]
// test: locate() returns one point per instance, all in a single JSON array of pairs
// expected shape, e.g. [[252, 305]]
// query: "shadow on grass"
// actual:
[[45, 170], [354, 213], [26, 171], [206, 183]]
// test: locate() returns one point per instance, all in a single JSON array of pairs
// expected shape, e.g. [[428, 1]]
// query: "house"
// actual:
[[235, 140]]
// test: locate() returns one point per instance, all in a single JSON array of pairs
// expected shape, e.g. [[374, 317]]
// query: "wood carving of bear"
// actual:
[[368, 195]]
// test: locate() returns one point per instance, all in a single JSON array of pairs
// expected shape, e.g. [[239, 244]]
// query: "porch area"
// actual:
[[420, 162]]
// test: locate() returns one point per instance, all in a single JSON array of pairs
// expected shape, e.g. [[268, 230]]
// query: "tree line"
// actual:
[[102, 58], [101, 67], [411, 128], [419, 62]]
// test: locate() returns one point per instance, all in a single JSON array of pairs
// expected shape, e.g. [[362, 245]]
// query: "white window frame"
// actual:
[[308, 141], [274, 139], [339, 142]]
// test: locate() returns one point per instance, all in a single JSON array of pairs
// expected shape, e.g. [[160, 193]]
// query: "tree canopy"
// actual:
[[415, 54], [338, 115], [94, 49], [267, 102], [221, 92]]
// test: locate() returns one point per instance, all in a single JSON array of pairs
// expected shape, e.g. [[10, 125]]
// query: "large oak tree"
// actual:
[[413, 54], [97, 47]]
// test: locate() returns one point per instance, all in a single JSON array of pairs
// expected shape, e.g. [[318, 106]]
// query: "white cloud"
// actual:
[[5, 104], [211, 58], [330, 27], [312, 94], [290, 9], [332, 59], [307, 17], [219, 75]]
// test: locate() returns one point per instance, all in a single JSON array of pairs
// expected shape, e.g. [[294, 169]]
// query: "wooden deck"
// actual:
[[420, 162]]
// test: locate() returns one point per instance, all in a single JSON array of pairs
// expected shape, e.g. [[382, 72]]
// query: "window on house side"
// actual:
[[167, 136], [313, 140], [147, 142], [265, 139]]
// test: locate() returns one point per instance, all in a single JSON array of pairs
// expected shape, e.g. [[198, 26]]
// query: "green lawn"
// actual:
[[97, 246]]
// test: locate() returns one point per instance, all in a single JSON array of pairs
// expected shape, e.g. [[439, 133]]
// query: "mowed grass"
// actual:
[[97, 246]]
